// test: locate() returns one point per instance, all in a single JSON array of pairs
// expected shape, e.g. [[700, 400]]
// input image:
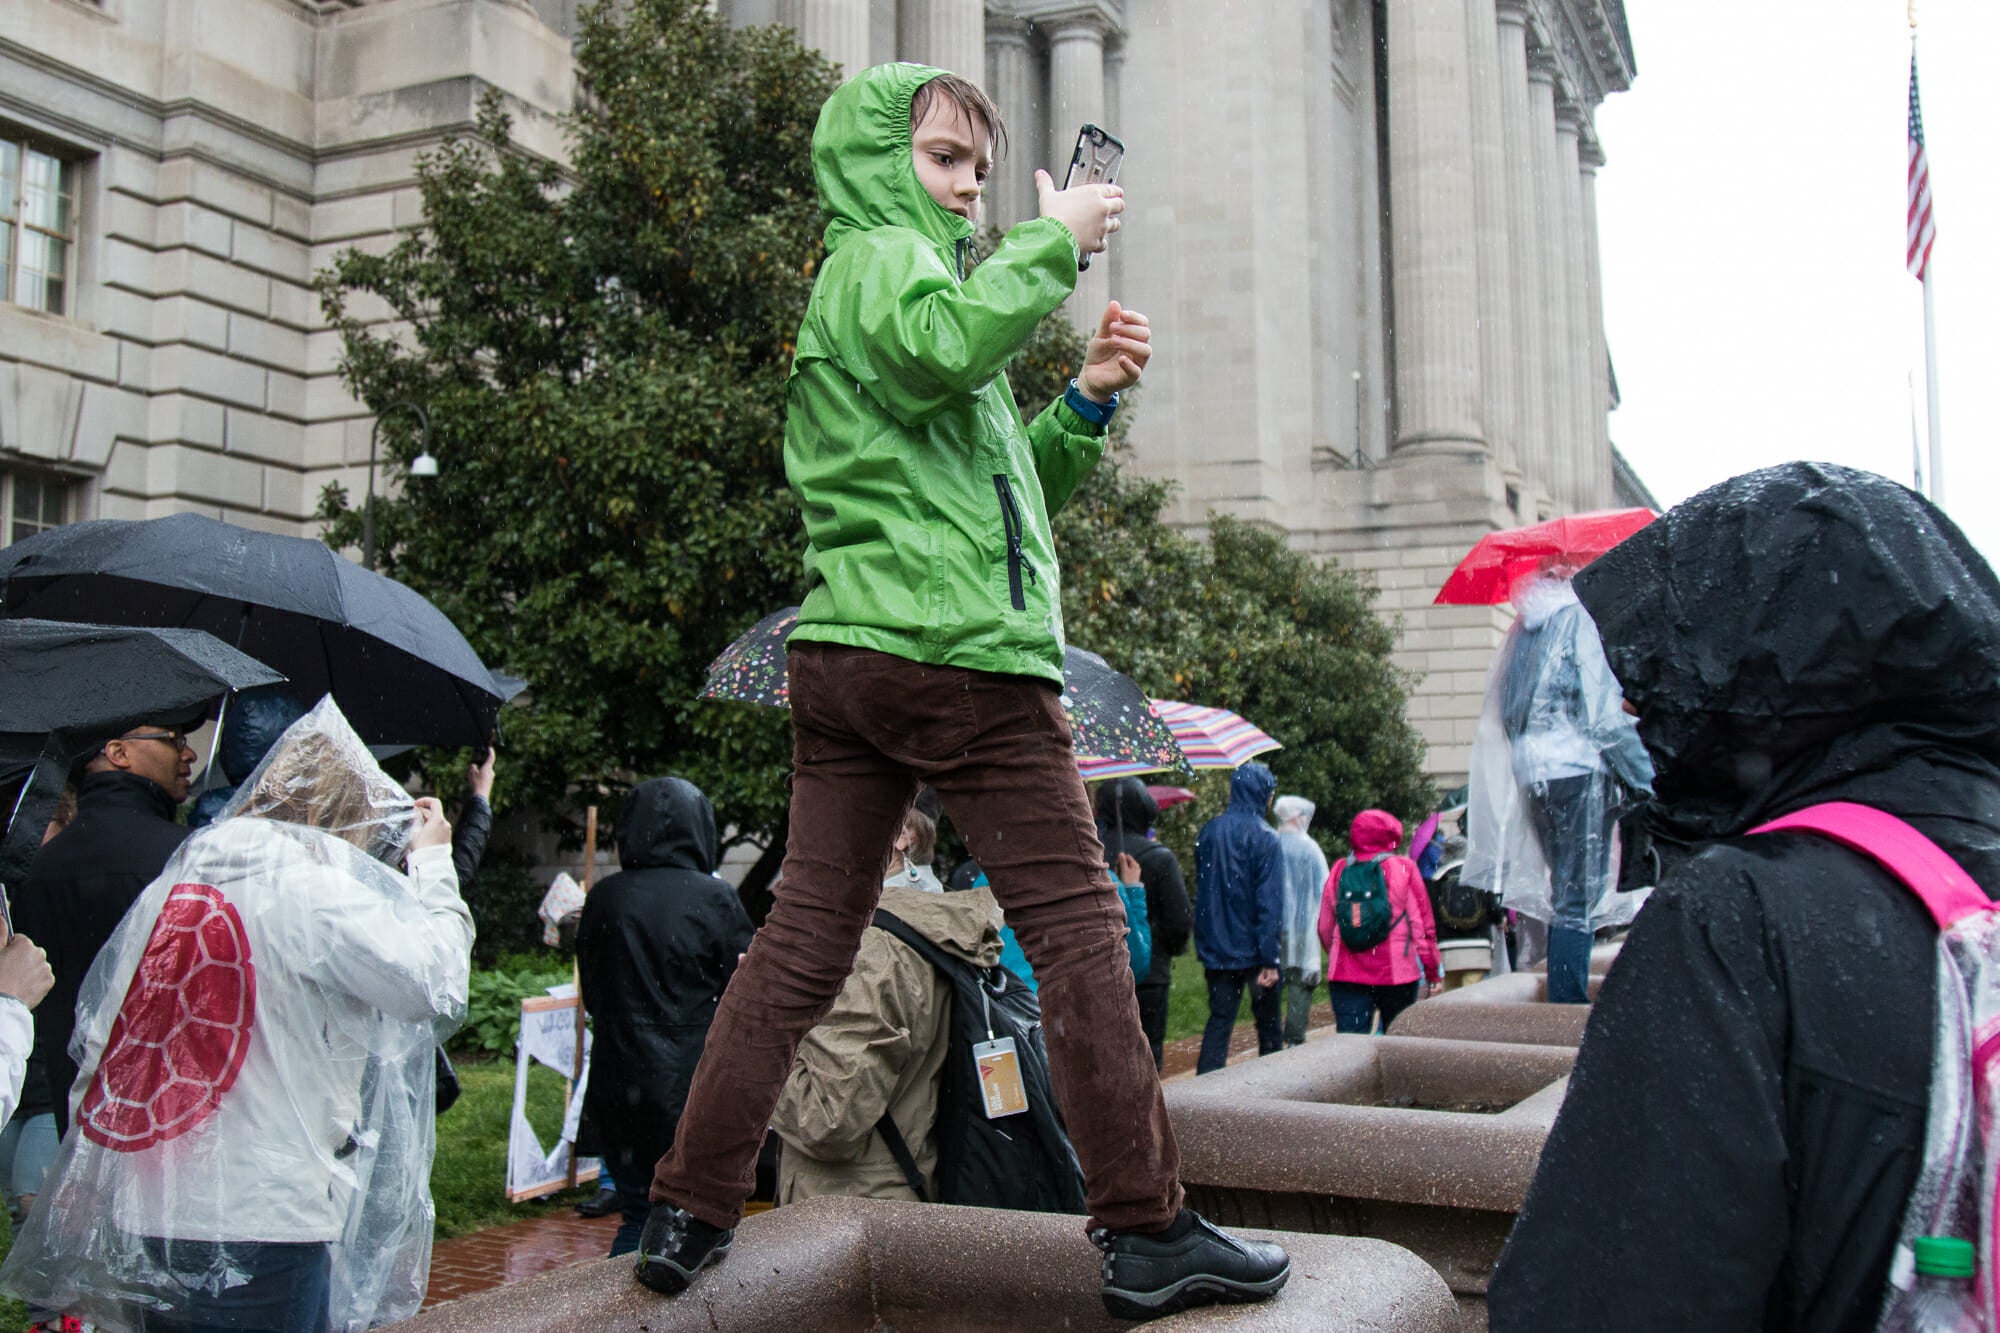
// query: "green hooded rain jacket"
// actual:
[[926, 500]]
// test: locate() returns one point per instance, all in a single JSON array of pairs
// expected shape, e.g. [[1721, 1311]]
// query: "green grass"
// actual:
[[469, 1177], [1187, 1002]]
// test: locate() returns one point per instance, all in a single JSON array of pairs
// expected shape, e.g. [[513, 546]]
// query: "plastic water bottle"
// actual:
[[1943, 1299]]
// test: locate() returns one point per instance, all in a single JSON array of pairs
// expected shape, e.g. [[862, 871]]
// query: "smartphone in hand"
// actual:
[[1095, 161]]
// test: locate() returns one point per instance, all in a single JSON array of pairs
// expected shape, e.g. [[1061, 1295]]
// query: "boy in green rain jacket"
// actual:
[[929, 648]]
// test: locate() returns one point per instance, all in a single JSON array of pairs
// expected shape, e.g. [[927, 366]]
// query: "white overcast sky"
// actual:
[[1751, 225]]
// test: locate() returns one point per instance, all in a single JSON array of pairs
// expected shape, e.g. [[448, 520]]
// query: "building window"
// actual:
[[37, 227], [31, 502]]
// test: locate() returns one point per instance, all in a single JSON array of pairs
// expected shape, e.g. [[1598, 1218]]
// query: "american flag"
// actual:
[[1922, 230]]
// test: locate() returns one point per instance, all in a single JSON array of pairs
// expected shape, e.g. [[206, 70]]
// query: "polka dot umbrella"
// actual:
[[1115, 728]]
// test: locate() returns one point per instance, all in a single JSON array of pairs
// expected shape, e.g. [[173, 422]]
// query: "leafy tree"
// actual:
[[602, 350]]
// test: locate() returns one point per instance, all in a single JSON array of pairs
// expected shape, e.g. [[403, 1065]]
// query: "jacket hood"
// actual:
[[666, 823], [862, 160], [256, 718], [1374, 832], [1124, 803], [1293, 813], [967, 924], [1250, 789], [1794, 629]]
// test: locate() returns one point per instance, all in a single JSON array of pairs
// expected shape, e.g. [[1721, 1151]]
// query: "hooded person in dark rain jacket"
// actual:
[[657, 944], [1747, 1116]]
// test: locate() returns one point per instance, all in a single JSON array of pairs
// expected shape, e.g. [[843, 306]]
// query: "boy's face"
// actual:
[[954, 152]]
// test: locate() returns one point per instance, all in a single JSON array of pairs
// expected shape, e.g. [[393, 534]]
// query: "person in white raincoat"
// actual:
[[252, 1124], [1299, 958], [1555, 760]]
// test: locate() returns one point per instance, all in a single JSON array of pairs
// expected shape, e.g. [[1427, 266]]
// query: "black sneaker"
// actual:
[[1190, 1263], [674, 1247]]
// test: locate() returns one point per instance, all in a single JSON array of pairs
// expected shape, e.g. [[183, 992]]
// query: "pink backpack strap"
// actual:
[[1923, 867]]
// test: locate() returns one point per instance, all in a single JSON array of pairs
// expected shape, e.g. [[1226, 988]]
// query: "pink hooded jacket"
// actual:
[[1411, 950]]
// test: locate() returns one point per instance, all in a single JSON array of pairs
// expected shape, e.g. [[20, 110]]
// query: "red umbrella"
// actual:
[[1486, 576], [1169, 797]]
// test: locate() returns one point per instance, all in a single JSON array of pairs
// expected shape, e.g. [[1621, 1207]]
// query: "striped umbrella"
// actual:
[[1212, 737]]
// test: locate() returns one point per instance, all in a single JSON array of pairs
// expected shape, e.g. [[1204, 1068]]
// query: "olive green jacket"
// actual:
[[880, 1050], [926, 500]]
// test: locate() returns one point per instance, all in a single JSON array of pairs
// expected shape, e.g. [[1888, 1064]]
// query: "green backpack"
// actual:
[[1361, 905]]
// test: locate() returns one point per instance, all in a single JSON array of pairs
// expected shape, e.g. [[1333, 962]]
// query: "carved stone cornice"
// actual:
[[1005, 27], [1107, 17]]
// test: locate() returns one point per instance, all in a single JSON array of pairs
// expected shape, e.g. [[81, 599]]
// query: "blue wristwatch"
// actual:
[[1097, 414]]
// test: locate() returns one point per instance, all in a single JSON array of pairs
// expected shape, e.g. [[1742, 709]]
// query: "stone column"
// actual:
[[837, 29], [1592, 158], [1010, 80], [1076, 94], [1489, 180], [1433, 233], [1569, 175], [1553, 294], [950, 34], [1529, 362], [1114, 120]]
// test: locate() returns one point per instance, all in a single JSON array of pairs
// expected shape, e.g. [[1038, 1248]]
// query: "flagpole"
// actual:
[[1931, 386], [1916, 441]]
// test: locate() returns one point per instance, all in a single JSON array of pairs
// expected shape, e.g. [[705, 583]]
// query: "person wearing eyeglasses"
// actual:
[[87, 875]]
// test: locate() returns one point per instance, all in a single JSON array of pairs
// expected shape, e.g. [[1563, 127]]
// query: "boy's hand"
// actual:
[[1089, 211], [1118, 353]]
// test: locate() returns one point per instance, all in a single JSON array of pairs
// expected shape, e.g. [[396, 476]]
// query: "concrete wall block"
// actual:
[[113, 504], [285, 494], [199, 475], [325, 444], [224, 283], [135, 365], [218, 188], [175, 416], [295, 307], [126, 217], [264, 437], [195, 227], [288, 396], [408, 208], [125, 470], [188, 319], [338, 221], [210, 375], [124, 314], [269, 344], [135, 268], [57, 343], [129, 171], [326, 399], [266, 251], [291, 217], [1459, 659], [1484, 637], [323, 352]]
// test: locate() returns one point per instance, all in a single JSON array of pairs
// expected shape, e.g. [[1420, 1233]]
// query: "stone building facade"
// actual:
[[1364, 229]]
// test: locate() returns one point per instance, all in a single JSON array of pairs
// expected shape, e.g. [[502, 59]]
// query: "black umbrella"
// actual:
[[399, 669], [70, 688], [1109, 714]]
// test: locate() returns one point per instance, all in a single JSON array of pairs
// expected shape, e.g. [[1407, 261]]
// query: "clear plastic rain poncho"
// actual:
[[255, 1050], [1555, 759], [1305, 881]]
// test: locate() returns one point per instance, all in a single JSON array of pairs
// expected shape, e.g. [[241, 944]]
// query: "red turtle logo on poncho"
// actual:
[[180, 1037]]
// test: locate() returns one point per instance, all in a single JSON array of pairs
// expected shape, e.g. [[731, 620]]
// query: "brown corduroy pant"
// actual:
[[868, 728]]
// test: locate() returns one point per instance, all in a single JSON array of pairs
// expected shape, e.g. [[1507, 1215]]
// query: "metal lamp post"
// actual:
[[423, 465]]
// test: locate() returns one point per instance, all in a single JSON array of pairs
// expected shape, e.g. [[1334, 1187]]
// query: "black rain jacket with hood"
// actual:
[[657, 944], [1746, 1119], [1125, 810]]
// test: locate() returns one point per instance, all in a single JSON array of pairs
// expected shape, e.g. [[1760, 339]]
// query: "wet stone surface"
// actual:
[[833, 1265]]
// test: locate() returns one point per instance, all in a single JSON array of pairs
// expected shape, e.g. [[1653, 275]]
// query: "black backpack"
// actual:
[[1457, 907], [1019, 1161]]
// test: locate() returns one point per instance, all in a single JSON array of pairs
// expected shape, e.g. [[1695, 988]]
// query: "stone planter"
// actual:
[[1427, 1144], [834, 1265], [1513, 1008]]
